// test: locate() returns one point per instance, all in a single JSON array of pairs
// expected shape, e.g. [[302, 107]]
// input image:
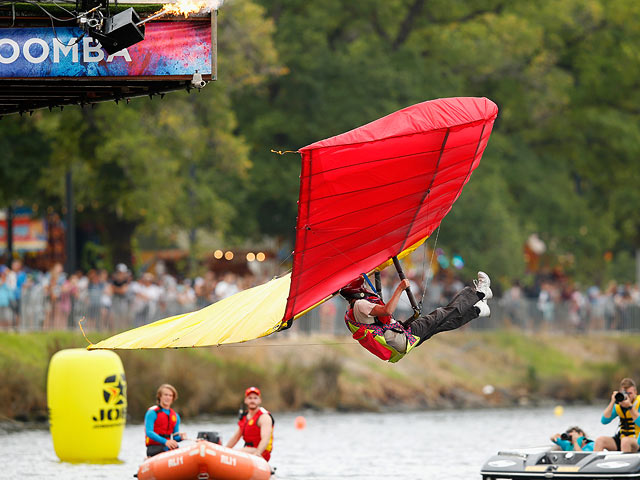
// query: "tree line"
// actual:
[[562, 162]]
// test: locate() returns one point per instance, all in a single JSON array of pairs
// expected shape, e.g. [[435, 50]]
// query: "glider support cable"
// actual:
[[426, 279]]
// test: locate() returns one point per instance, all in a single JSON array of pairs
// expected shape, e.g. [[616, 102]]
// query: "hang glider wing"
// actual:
[[365, 196], [370, 193]]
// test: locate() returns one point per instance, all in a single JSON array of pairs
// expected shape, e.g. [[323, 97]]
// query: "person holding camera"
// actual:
[[574, 439], [162, 423], [624, 405]]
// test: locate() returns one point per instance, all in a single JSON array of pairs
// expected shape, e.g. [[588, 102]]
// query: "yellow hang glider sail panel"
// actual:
[[247, 315]]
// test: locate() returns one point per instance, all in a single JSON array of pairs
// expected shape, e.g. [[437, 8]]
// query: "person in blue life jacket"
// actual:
[[162, 423], [624, 404], [574, 439], [371, 321]]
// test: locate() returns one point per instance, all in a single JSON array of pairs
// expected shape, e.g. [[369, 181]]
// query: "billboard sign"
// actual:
[[170, 49], [29, 234]]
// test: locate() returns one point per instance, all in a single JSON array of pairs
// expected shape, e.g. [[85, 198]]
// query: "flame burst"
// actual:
[[185, 7]]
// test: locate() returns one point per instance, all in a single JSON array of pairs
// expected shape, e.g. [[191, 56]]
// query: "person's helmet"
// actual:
[[354, 289]]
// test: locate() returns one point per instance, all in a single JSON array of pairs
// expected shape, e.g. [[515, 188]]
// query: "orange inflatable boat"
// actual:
[[204, 460]]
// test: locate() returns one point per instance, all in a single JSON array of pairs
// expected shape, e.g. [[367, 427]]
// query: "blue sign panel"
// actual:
[[169, 48]]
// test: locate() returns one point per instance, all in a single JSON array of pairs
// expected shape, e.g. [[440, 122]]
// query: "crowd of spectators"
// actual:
[[109, 301], [35, 300], [617, 307], [549, 301]]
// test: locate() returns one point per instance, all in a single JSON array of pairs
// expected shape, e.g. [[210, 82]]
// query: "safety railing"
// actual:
[[37, 311], [526, 315]]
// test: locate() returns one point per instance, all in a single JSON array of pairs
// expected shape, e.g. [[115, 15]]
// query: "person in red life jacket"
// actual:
[[162, 423], [255, 426], [371, 321]]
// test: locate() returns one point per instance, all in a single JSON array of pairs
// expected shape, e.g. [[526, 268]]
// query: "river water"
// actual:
[[407, 445]]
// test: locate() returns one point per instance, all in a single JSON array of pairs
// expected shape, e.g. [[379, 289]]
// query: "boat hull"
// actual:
[[204, 460], [552, 464]]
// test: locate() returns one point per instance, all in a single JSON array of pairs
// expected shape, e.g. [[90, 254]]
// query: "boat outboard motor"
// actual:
[[213, 437]]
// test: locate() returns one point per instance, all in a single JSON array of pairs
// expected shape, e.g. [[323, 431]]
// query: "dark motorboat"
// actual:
[[556, 464]]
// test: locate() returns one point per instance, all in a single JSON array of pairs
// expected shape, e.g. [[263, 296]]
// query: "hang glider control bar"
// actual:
[[412, 299]]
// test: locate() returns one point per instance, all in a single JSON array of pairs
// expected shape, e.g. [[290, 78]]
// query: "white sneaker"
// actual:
[[484, 308], [482, 285]]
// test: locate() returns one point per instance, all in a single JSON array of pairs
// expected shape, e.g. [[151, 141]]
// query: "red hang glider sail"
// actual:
[[365, 196], [368, 194]]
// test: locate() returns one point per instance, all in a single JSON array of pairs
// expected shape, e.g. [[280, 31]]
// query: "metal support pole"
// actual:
[[214, 45], [378, 283], [159, 14], [192, 229], [70, 237], [638, 266], [412, 299], [9, 235]]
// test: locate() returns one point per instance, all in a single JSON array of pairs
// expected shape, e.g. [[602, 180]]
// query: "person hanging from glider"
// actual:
[[373, 326]]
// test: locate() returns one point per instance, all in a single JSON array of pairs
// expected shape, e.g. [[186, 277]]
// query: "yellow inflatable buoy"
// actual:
[[87, 398]]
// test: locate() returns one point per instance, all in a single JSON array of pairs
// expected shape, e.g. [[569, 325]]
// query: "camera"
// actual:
[[197, 81], [565, 436], [621, 396], [213, 437]]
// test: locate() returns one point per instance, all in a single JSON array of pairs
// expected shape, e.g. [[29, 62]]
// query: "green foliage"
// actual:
[[539, 359], [23, 372], [622, 268], [484, 230], [24, 152], [562, 161]]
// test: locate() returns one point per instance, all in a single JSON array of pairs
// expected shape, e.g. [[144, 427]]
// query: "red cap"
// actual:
[[251, 390]]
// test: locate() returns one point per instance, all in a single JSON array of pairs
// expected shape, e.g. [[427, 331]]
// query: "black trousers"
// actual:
[[459, 312], [153, 450]]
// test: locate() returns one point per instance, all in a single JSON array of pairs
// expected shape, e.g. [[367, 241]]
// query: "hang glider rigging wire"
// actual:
[[426, 279]]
